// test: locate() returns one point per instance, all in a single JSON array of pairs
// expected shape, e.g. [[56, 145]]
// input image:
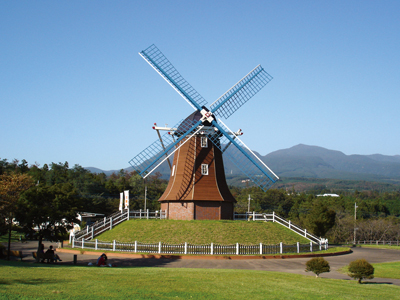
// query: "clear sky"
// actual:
[[73, 87]]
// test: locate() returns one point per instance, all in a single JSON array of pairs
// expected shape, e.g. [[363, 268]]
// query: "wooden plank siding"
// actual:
[[191, 195]]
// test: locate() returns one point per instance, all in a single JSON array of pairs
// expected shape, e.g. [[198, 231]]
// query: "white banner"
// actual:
[[126, 199], [121, 201]]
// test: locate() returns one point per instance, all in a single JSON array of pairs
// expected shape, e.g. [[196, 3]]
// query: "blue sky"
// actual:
[[73, 87]]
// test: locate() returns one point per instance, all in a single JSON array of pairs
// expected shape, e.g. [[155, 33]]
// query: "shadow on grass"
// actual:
[[37, 281], [84, 262], [376, 282]]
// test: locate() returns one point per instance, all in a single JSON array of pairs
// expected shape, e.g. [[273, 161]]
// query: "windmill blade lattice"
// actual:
[[242, 157], [163, 66], [241, 92], [156, 152]]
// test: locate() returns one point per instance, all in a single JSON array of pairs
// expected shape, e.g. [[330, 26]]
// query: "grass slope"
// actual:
[[201, 232], [21, 280]]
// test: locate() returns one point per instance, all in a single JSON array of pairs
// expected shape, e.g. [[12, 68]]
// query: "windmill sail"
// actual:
[[243, 158], [163, 66], [220, 135], [154, 154], [240, 93]]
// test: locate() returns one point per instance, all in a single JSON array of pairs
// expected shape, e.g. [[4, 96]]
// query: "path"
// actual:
[[292, 265]]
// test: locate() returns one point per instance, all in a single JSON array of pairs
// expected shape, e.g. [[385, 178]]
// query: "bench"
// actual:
[[15, 253], [43, 256]]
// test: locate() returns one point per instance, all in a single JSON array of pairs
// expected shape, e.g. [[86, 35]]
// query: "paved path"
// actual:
[[292, 265]]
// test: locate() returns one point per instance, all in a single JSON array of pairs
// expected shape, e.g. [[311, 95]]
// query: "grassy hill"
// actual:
[[201, 232]]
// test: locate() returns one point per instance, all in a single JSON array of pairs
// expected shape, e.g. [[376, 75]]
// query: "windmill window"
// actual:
[[204, 142], [204, 169]]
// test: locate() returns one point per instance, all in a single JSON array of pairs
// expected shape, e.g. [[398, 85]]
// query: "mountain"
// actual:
[[315, 162]]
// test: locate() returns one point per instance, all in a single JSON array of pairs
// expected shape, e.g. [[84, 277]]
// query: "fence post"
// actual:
[[95, 245], [273, 216], [83, 243], [140, 213], [147, 214], [298, 247], [87, 228], [73, 242], [305, 232], [237, 248], [185, 248], [113, 245], [212, 248], [129, 214], [159, 243], [261, 249], [105, 219], [280, 248], [110, 223], [310, 246], [135, 246], [254, 215], [92, 232]]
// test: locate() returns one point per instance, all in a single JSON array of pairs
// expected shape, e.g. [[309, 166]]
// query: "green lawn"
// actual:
[[382, 270], [15, 236], [30, 281], [201, 232], [387, 270]]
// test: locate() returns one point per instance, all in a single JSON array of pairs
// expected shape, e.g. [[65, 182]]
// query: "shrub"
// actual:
[[361, 269], [317, 265]]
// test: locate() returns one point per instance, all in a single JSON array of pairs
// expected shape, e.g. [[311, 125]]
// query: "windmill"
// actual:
[[197, 188]]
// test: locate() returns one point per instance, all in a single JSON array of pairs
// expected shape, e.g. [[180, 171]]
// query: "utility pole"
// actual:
[[355, 220], [145, 196], [248, 209]]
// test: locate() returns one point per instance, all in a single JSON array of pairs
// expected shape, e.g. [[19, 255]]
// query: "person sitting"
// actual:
[[102, 260], [41, 253], [51, 255]]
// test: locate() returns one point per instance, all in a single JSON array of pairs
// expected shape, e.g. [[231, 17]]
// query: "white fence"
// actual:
[[109, 222], [207, 249], [275, 218], [388, 243]]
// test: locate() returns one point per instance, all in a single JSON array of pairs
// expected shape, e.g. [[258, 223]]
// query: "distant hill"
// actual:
[[303, 161], [317, 162]]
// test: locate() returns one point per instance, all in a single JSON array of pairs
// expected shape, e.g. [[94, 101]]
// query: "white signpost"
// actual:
[[126, 199]]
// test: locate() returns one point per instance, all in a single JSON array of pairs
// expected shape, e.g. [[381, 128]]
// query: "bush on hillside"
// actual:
[[317, 265], [361, 269]]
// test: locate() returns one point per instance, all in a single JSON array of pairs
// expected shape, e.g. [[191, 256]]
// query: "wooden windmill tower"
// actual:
[[197, 188]]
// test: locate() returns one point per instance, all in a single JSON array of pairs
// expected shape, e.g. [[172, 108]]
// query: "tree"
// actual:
[[48, 211], [317, 265], [320, 218], [361, 269], [11, 188]]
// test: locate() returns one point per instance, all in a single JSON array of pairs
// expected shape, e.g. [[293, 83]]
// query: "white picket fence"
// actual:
[[109, 222], [207, 249]]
